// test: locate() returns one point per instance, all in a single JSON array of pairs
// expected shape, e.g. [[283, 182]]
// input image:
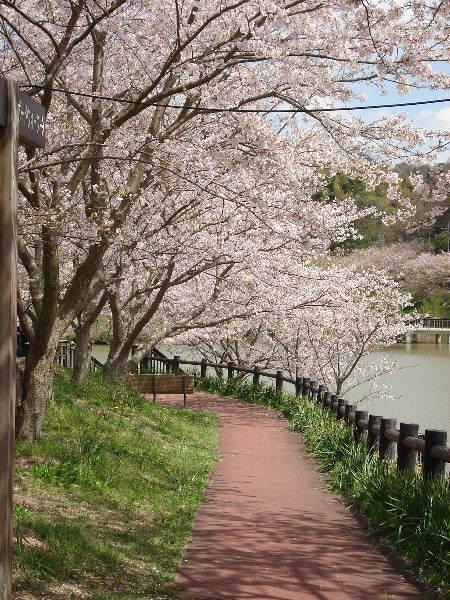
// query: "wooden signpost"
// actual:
[[22, 120]]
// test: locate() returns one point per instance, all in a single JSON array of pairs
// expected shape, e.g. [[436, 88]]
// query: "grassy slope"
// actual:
[[105, 501]]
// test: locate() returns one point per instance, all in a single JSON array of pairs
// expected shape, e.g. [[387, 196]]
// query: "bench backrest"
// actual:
[[161, 384]]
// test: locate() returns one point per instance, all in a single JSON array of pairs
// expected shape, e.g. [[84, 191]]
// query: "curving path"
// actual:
[[266, 528]]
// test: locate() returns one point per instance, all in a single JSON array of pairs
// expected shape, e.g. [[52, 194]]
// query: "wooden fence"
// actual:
[[65, 357], [405, 445]]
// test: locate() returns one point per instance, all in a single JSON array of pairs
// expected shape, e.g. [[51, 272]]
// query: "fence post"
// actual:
[[305, 386], [144, 364], [333, 401], [279, 381], [256, 375], [349, 408], [341, 405], [373, 439], [406, 458], [176, 364], [298, 385], [203, 368], [360, 434], [433, 466], [314, 390], [320, 393], [387, 449], [230, 369], [326, 399]]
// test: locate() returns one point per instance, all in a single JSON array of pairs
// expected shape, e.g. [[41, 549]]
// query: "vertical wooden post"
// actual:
[[360, 434], [176, 364], [320, 392], [231, 366], [373, 440], [203, 368], [387, 449], [9, 139], [406, 458], [305, 386], [432, 466], [341, 408], [333, 403], [256, 375], [279, 381], [349, 408], [298, 385], [326, 399]]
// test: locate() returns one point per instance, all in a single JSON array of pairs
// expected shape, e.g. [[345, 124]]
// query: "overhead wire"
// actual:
[[206, 109]]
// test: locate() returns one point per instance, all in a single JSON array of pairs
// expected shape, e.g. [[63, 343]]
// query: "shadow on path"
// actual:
[[266, 528]]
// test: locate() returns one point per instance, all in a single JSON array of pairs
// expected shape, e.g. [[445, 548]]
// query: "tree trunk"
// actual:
[[115, 367], [37, 391], [83, 351]]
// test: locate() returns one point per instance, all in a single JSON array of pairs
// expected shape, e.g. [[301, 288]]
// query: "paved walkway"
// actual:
[[267, 530]]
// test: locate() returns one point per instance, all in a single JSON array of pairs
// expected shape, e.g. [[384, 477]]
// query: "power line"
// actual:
[[238, 110]]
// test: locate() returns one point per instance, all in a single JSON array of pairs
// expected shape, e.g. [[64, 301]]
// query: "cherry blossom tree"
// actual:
[[411, 264], [315, 321], [153, 67], [329, 341]]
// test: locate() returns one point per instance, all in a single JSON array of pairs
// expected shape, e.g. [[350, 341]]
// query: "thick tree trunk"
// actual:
[[115, 367], [37, 391], [83, 351]]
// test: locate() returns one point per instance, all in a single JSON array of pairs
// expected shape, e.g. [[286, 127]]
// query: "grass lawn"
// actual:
[[104, 502]]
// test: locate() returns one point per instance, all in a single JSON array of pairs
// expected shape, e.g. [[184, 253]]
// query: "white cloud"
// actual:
[[434, 119]]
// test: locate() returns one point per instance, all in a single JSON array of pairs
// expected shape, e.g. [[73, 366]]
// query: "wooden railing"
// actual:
[[405, 445], [435, 323], [157, 362], [65, 357]]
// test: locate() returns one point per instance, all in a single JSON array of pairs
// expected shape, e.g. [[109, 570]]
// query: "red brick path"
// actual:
[[266, 528]]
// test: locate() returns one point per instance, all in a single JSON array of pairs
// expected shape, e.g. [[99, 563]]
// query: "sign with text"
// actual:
[[31, 118], [31, 122]]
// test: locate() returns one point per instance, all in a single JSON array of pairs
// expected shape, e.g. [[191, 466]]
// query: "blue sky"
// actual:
[[431, 117]]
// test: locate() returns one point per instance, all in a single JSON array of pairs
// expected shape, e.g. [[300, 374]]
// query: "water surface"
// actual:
[[421, 388]]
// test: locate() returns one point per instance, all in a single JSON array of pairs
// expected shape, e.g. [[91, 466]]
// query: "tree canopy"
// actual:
[[158, 196]]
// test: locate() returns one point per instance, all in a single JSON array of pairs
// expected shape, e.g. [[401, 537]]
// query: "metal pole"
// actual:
[[9, 139]]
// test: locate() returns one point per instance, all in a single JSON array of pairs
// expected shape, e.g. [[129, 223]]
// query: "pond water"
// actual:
[[421, 389]]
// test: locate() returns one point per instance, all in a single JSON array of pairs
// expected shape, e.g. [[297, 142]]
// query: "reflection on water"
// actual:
[[421, 388]]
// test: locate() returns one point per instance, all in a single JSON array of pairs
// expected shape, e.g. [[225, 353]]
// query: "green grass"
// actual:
[[104, 502], [411, 514]]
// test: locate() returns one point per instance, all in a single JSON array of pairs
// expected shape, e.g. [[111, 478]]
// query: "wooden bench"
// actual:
[[162, 384]]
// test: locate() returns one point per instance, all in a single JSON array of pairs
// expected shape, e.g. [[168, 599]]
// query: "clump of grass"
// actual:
[[404, 509], [106, 499]]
